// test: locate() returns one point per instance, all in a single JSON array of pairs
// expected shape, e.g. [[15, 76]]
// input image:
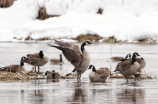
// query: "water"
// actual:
[[69, 91]]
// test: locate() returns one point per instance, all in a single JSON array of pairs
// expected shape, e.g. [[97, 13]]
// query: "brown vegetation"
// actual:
[[147, 40], [111, 39], [42, 15], [6, 3], [90, 37], [100, 11]]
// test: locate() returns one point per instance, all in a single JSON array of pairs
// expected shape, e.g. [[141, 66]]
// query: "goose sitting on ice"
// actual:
[[116, 58], [14, 68], [57, 61], [79, 58], [99, 75], [52, 75]]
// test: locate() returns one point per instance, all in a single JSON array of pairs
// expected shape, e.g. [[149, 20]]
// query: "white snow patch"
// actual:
[[125, 19]]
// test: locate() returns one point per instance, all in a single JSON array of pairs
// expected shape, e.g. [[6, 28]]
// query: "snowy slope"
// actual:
[[124, 19]]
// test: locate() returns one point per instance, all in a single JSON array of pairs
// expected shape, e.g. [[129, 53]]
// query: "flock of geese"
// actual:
[[80, 59]]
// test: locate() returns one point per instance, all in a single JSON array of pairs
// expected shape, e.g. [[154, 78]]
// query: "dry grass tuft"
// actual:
[[6, 3], [91, 37], [42, 15], [100, 11], [20, 76]]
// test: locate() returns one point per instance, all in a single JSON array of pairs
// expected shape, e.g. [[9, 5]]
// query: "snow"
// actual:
[[125, 19]]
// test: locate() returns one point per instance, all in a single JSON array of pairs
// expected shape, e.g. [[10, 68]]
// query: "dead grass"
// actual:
[[100, 11], [6, 3], [91, 37], [42, 15], [20, 76]]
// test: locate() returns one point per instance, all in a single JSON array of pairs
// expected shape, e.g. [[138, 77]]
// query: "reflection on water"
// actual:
[[69, 91]]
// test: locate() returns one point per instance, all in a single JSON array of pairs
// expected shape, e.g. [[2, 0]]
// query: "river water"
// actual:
[[69, 91]]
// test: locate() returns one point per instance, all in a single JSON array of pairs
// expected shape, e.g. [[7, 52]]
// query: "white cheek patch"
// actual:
[[92, 67], [86, 43]]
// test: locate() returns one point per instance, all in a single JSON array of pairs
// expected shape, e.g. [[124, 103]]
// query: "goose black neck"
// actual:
[[133, 58], [82, 47], [53, 75], [94, 69], [21, 63], [41, 54]]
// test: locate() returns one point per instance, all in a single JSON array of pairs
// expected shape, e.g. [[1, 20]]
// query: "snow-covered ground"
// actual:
[[124, 19]]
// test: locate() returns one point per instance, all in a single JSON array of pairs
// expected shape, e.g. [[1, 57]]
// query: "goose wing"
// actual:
[[14, 68], [100, 71], [125, 64], [70, 51], [69, 45], [31, 58], [104, 75]]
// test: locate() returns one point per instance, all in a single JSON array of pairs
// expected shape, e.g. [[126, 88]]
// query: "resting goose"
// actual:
[[52, 75], [14, 68], [99, 75], [129, 67], [128, 56], [57, 61], [116, 58], [37, 59], [79, 58]]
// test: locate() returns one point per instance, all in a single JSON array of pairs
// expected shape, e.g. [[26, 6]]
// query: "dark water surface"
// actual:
[[69, 91]]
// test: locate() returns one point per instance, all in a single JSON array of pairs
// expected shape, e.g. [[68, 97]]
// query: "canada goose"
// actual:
[[128, 56], [14, 68], [129, 67], [57, 61], [79, 58], [116, 58], [37, 59], [141, 62], [99, 75], [52, 75]]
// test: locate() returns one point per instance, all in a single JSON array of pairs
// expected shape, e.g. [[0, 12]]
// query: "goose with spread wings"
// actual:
[[79, 58]]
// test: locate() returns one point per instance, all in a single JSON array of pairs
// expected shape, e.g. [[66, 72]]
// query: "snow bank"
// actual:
[[125, 19]]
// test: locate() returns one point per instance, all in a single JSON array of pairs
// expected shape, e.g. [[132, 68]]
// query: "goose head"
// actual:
[[92, 67], [21, 61], [41, 54], [53, 71], [85, 43], [135, 55], [128, 56]]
